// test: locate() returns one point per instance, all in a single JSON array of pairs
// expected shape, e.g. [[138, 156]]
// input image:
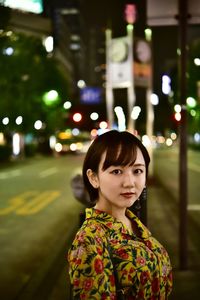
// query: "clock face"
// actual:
[[143, 51], [118, 51]]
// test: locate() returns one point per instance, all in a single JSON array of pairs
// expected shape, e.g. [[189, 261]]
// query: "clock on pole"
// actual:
[[142, 51], [118, 51]]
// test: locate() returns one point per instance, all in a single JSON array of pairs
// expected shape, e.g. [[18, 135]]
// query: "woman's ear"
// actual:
[[93, 178]]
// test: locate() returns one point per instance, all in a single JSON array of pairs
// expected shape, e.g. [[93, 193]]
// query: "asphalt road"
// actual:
[[38, 213]]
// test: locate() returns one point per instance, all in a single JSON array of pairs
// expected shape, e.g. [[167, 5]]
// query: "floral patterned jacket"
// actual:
[[141, 262]]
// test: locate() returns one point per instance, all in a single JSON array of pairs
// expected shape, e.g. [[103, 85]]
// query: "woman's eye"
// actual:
[[116, 172], [138, 171]]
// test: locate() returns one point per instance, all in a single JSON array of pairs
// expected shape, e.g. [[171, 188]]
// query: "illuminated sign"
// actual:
[[130, 13], [34, 6], [91, 95]]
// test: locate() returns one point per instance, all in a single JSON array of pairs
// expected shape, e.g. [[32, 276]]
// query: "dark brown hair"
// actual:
[[120, 149]]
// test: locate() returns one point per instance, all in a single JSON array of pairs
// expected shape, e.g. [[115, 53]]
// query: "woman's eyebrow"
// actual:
[[139, 165]]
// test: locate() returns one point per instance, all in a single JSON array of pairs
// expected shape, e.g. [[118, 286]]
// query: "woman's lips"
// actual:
[[127, 195]]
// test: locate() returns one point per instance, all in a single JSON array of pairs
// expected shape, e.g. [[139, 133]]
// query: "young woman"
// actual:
[[113, 255]]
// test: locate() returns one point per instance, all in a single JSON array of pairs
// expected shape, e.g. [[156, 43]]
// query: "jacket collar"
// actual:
[[113, 224]]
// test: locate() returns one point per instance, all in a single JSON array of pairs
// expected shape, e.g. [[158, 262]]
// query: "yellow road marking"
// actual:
[[38, 203], [29, 202], [16, 202]]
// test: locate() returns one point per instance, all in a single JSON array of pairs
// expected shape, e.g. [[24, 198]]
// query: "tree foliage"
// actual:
[[27, 72], [193, 77]]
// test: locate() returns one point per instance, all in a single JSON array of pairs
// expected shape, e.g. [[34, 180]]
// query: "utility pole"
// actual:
[[166, 14], [109, 90], [183, 185]]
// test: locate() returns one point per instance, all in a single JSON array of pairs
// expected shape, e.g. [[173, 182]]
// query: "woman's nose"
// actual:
[[128, 180]]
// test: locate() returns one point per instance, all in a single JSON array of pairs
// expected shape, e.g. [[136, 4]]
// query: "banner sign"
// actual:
[[34, 6], [142, 66], [166, 14], [91, 95]]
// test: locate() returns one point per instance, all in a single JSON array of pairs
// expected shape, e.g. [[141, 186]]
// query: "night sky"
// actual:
[[110, 13]]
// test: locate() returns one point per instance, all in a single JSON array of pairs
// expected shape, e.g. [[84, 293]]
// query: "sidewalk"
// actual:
[[163, 223]]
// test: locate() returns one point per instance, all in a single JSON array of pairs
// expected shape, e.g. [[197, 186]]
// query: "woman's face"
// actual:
[[120, 186]]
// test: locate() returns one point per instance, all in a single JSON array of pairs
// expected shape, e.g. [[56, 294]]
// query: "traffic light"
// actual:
[[177, 112]]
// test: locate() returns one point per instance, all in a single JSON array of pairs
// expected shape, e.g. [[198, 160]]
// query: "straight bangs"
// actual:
[[122, 154]]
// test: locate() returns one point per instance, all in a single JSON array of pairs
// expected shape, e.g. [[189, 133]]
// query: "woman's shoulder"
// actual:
[[90, 233], [94, 226]]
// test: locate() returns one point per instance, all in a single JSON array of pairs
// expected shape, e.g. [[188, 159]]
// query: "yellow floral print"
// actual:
[[142, 264]]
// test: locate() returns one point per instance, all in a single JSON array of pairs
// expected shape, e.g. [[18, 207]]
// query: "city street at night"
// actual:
[[71, 70]]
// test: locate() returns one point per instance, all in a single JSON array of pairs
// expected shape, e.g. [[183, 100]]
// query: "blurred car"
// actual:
[[71, 144]]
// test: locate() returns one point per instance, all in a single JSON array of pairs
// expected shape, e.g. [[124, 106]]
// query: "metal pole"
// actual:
[[131, 102], [183, 188], [109, 90], [149, 105], [131, 88], [149, 127]]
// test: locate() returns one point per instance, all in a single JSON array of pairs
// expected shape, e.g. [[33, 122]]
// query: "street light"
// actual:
[[50, 97], [67, 105], [166, 84], [19, 120], [135, 112], [197, 61], [5, 121], [148, 34], [121, 118], [191, 102], [38, 125], [103, 125], [81, 84], [94, 116], [16, 144], [8, 51], [77, 117], [48, 43], [154, 99]]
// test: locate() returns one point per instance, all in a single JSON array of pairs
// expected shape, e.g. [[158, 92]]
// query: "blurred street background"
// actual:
[[69, 71]]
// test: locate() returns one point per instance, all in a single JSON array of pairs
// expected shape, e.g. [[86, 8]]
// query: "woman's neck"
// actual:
[[116, 212]]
